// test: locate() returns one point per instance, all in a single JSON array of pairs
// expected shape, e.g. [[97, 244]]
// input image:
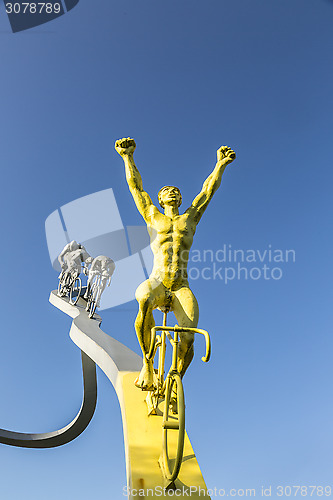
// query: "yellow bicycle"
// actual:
[[171, 390]]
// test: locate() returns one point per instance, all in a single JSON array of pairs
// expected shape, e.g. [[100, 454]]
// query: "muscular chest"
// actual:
[[178, 229]]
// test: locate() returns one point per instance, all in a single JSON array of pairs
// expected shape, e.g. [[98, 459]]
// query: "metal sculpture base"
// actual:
[[142, 433]]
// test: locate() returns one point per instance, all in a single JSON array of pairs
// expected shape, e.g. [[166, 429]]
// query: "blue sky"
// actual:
[[182, 78]]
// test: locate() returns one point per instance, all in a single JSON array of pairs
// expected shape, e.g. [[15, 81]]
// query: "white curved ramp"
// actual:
[[142, 433], [70, 431]]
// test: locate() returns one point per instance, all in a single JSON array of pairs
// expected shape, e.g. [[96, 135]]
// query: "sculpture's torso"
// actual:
[[73, 259], [103, 265], [170, 240]]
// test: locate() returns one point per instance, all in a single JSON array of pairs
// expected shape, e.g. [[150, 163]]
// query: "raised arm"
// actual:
[[225, 155], [126, 147]]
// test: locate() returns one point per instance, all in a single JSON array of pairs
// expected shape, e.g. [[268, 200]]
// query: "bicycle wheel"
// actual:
[[75, 291], [62, 289], [176, 423], [88, 303], [92, 299], [60, 292], [92, 309]]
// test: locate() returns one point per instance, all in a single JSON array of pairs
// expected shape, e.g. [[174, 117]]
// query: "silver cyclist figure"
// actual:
[[103, 267]]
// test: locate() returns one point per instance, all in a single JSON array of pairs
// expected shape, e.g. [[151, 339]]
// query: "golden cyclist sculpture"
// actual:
[[171, 236]]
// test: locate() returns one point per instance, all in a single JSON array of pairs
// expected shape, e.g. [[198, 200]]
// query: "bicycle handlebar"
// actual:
[[177, 328]]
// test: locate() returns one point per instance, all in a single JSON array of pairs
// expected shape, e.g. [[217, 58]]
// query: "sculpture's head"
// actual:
[[169, 195], [74, 245]]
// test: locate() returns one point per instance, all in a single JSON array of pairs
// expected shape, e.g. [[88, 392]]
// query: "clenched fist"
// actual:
[[225, 155], [125, 146]]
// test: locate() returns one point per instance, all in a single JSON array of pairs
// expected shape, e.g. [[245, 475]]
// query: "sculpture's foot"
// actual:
[[145, 379], [86, 296]]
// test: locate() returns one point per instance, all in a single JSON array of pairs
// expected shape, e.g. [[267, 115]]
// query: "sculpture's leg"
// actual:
[[186, 310], [86, 295], [145, 295], [102, 287]]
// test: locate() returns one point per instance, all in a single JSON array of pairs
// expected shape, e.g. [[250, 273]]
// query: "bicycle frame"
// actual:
[[160, 341], [174, 342]]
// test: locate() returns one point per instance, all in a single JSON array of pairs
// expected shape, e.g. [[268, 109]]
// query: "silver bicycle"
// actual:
[[95, 293], [70, 284]]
